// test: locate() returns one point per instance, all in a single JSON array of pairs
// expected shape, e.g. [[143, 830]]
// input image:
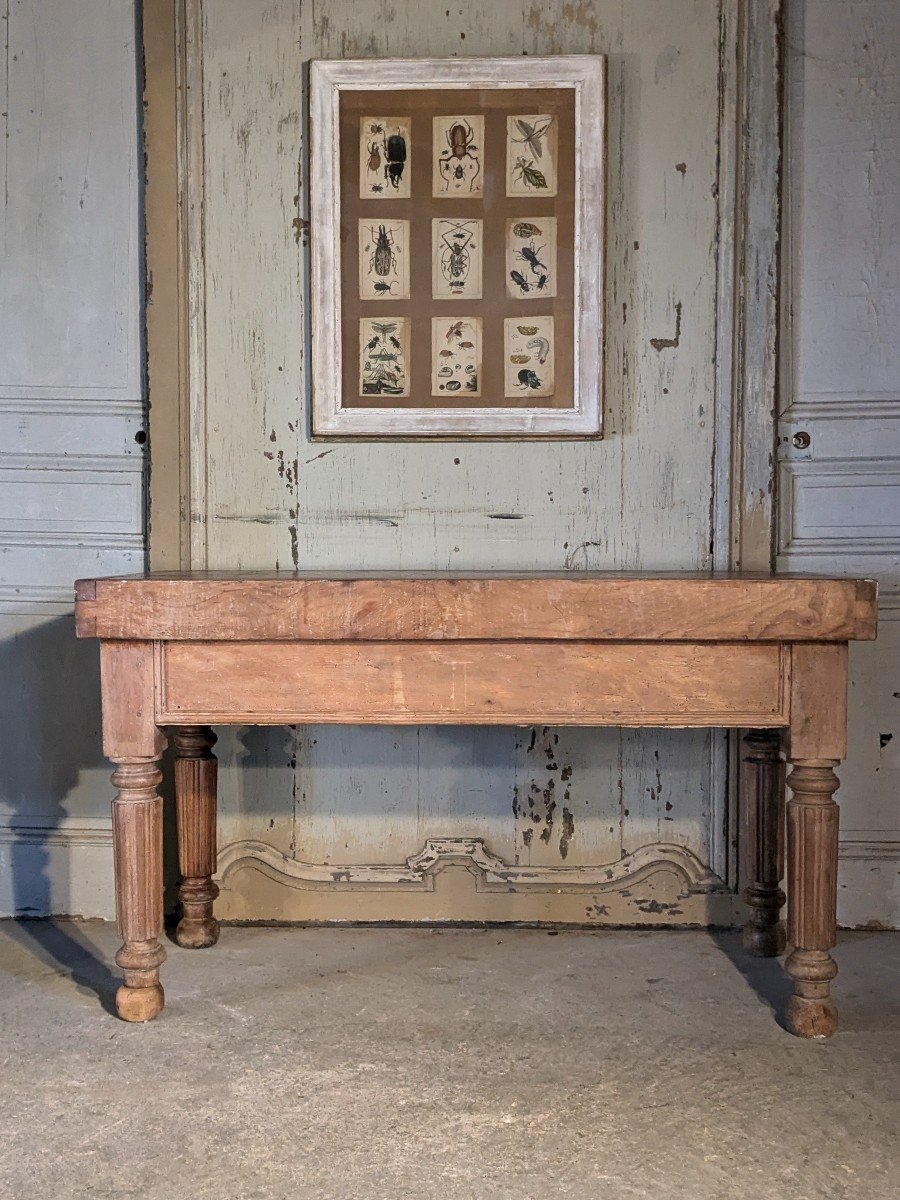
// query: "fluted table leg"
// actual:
[[195, 793], [762, 842], [812, 887], [138, 841]]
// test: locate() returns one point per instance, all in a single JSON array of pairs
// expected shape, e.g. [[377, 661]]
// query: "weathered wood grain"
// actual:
[[138, 842], [677, 608], [127, 693], [454, 680], [762, 841], [493, 683], [812, 828], [195, 799], [818, 701]]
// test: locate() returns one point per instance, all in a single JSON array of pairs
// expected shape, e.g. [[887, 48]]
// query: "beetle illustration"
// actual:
[[374, 157], [528, 379], [459, 164], [383, 259], [520, 281], [526, 172], [394, 159], [531, 256], [384, 289]]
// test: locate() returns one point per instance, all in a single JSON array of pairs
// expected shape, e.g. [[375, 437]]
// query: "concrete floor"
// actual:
[[383, 1063]]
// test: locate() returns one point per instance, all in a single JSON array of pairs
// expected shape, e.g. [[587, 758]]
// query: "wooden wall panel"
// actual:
[[265, 495], [71, 407], [839, 443]]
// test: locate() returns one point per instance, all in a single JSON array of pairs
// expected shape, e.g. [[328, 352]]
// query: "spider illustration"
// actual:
[[455, 258]]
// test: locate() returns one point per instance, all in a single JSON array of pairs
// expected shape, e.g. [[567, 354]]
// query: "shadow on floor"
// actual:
[[765, 976], [70, 953]]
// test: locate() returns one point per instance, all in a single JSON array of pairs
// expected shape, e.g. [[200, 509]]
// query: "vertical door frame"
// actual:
[[747, 322]]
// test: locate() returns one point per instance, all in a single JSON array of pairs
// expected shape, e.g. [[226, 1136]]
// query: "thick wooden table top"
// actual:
[[424, 606]]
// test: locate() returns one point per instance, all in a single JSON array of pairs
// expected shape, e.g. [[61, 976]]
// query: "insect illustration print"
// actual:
[[529, 366], [531, 153], [531, 257], [384, 157], [457, 155], [456, 356], [533, 135], [383, 260], [455, 258], [527, 173], [383, 357]]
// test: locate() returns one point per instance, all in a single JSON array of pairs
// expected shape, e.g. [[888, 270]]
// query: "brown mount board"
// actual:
[[494, 208]]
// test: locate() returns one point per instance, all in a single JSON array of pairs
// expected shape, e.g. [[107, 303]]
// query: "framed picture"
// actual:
[[456, 213]]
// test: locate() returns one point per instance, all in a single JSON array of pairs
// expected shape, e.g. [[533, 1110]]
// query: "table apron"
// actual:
[[728, 684]]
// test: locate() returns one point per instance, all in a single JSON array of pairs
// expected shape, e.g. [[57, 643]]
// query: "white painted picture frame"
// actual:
[[585, 75]]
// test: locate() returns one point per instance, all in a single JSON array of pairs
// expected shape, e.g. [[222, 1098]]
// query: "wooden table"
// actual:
[[763, 653]]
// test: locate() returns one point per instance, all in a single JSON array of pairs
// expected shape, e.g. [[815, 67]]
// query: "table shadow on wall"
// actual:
[[50, 739]]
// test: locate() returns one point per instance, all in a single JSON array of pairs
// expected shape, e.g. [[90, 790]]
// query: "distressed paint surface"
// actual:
[[840, 495], [641, 498], [71, 470]]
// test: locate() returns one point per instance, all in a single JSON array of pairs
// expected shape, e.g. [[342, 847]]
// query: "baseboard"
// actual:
[[59, 867]]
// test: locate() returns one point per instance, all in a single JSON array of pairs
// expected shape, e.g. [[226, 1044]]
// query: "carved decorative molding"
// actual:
[[491, 872]]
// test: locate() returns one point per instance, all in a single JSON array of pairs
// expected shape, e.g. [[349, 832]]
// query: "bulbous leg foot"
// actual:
[[811, 1018], [196, 934], [766, 941], [137, 1004]]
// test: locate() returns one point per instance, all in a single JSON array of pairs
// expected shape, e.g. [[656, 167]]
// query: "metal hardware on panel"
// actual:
[[801, 440]]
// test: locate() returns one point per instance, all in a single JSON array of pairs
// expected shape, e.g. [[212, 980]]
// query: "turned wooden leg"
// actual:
[[762, 842], [812, 824], [138, 843], [195, 794]]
